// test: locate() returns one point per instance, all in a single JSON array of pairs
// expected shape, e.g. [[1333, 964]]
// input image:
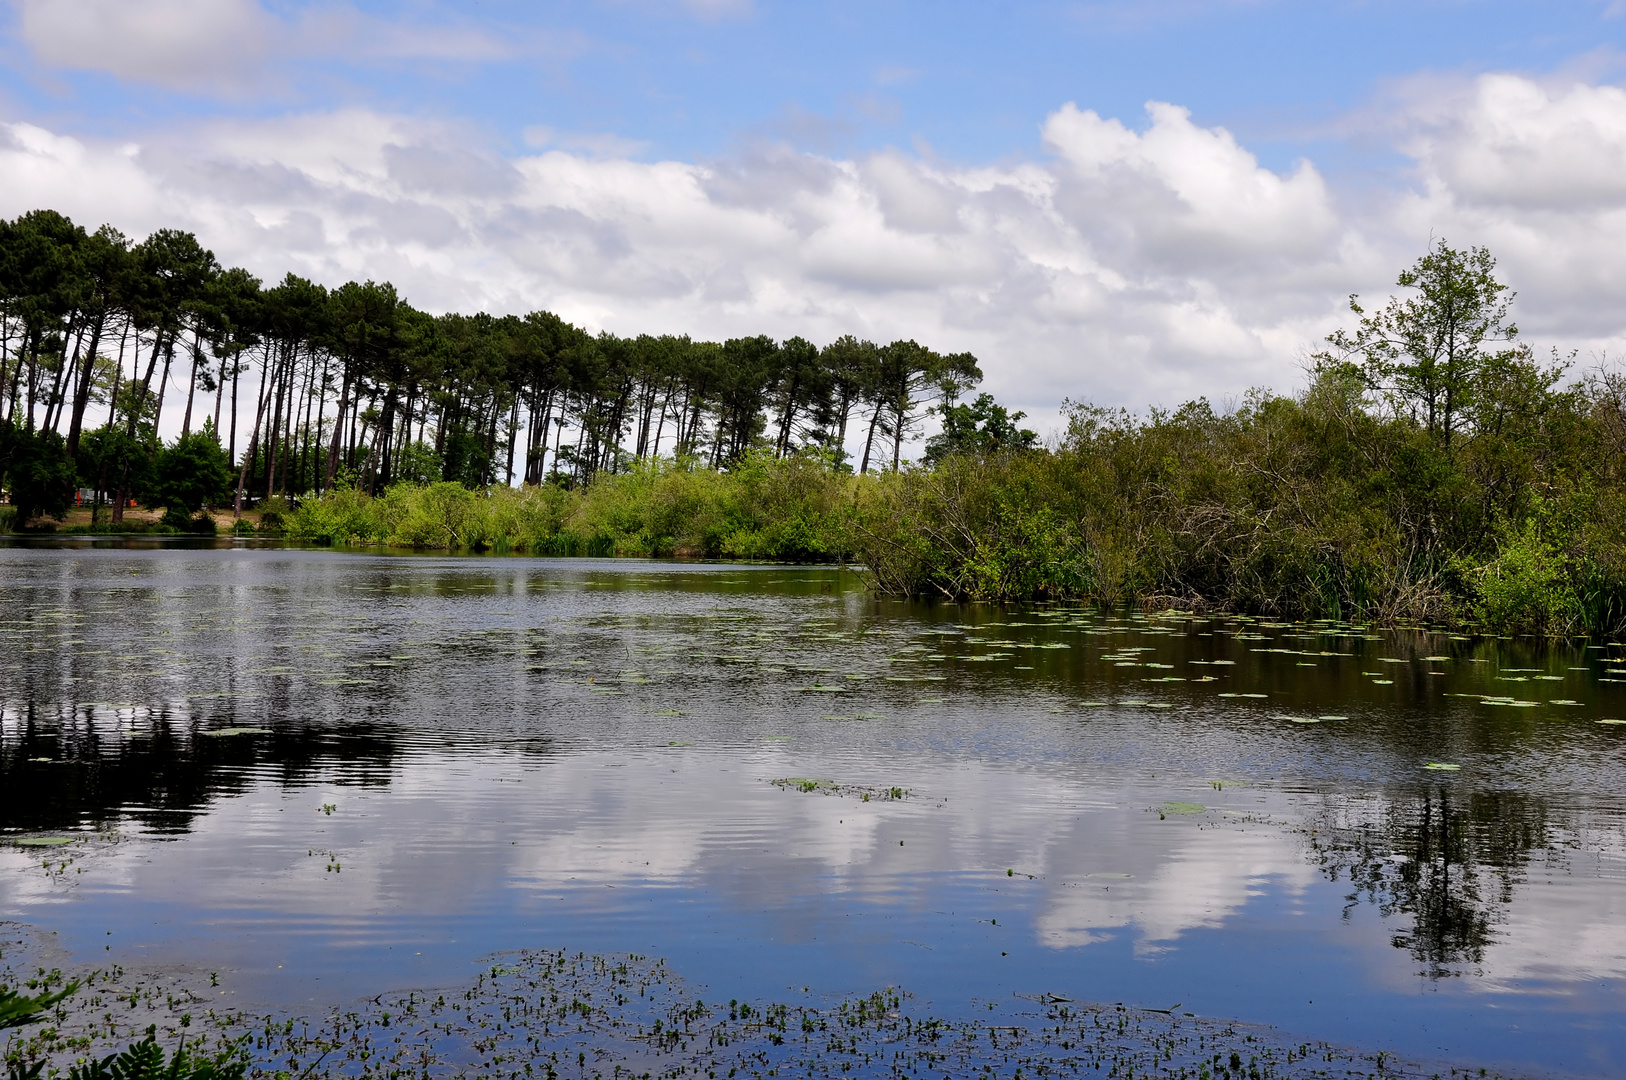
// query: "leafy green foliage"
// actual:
[[190, 473], [110, 454], [17, 1008], [1525, 588], [438, 517], [19, 1071], [38, 472], [146, 1060], [1303, 506], [1425, 355], [1432, 469], [982, 427], [784, 509], [418, 464]]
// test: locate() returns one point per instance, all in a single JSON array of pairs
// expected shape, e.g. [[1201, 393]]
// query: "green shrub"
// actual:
[[35, 467], [793, 509], [1525, 588], [443, 515], [342, 516], [175, 520], [191, 473], [273, 516]]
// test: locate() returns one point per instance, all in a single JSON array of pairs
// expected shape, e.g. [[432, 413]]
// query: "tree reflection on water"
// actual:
[[159, 768], [1448, 860]]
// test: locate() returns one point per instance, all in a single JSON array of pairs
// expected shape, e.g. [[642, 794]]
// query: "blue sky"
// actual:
[[979, 175], [969, 80]]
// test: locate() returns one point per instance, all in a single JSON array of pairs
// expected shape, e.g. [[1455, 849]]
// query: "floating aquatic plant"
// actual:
[[555, 1014], [804, 783]]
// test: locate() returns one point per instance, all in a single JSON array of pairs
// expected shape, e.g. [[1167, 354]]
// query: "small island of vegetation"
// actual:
[[1432, 466]]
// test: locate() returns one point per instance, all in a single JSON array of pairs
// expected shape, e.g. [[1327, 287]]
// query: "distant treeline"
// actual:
[[307, 388], [1433, 467]]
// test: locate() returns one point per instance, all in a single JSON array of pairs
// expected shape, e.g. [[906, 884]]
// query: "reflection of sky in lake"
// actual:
[[523, 753]]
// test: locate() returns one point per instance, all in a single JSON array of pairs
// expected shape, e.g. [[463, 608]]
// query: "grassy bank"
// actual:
[[794, 509]]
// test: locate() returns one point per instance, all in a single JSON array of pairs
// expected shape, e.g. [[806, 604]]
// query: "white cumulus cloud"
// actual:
[[1131, 265]]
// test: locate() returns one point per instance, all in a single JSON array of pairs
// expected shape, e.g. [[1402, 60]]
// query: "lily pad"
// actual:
[[221, 732], [1440, 766], [44, 841], [1183, 808]]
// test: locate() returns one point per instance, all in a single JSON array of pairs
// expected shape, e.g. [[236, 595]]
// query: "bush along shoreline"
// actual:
[[1433, 469], [794, 509]]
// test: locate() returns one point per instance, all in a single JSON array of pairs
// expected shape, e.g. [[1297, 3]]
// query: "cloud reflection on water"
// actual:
[[524, 752]]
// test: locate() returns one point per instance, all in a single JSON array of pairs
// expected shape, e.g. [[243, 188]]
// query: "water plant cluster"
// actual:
[[551, 1014]]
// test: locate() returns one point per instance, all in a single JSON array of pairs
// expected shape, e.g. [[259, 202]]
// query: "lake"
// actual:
[[320, 776]]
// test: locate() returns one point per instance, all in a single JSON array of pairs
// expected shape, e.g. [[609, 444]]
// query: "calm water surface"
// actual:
[[324, 775]]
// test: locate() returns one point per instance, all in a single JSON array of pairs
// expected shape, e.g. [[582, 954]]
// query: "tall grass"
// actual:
[[795, 509]]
